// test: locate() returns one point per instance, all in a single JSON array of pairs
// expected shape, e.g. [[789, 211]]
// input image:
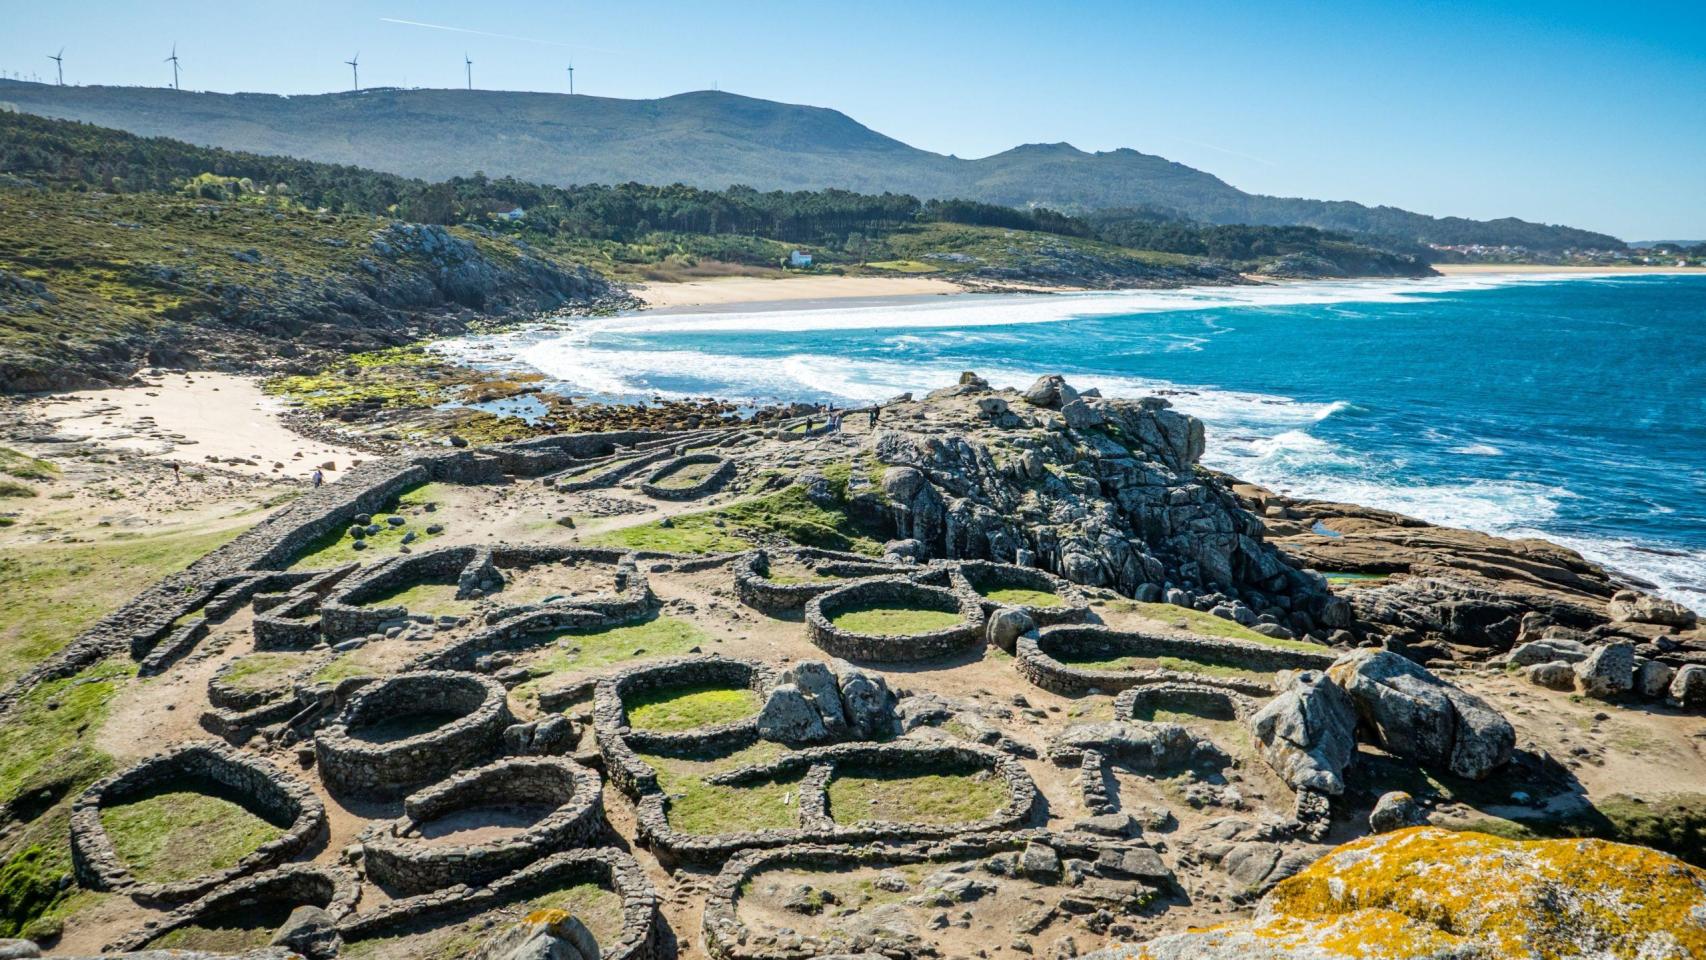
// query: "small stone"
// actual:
[[1395, 811]]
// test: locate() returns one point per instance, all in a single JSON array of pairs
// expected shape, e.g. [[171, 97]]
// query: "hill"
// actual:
[[715, 140]]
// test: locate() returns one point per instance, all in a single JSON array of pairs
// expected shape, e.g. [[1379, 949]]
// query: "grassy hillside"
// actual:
[[92, 284], [714, 140]]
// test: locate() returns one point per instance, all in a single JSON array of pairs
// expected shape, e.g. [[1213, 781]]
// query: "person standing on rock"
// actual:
[[318, 477], [177, 473]]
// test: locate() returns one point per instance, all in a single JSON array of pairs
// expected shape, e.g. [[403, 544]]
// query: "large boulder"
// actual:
[[1608, 672], [1653, 678], [1688, 687], [1413, 713], [1632, 606], [820, 688], [1549, 649], [788, 717], [1051, 392], [310, 931], [867, 703], [1308, 732], [1006, 625]]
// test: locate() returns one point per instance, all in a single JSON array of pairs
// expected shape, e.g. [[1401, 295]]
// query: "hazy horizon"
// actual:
[[1556, 113]]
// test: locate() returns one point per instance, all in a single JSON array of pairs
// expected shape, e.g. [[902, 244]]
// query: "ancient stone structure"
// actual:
[[205, 766], [605, 866], [335, 890], [396, 856], [900, 593], [653, 485], [1037, 660], [757, 590], [1027, 853], [979, 576], [471, 715]]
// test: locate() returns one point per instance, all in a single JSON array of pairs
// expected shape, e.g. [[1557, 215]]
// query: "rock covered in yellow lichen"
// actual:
[[1430, 893]]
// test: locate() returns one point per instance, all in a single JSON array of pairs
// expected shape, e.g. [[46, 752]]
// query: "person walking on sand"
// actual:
[[319, 477]]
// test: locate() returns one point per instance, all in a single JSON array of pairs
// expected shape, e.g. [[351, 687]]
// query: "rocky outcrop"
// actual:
[[1428, 893], [1103, 492], [1460, 594], [1632, 606], [1412, 713], [1308, 732], [815, 704]]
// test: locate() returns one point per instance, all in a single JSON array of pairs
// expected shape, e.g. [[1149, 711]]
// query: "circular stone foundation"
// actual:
[[556, 803], [203, 767], [606, 867], [706, 471], [1038, 658], [258, 905], [411, 729], [902, 597], [1046, 598]]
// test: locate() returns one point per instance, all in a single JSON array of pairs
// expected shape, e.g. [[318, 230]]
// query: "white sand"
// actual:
[[723, 291], [190, 418], [1451, 269]]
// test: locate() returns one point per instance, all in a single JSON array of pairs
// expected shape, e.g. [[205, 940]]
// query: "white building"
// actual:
[[798, 259]]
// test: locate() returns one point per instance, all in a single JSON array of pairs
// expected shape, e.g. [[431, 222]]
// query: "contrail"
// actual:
[[500, 36], [1234, 153]]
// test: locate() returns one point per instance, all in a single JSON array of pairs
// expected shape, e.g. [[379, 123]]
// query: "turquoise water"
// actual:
[[1569, 408]]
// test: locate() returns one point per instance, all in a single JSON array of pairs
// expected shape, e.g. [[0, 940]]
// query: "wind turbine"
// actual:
[[173, 60], [571, 79], [354, 73], [59, 62], [468, 65]]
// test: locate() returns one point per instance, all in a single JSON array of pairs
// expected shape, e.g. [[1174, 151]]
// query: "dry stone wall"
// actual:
[[208, 765]]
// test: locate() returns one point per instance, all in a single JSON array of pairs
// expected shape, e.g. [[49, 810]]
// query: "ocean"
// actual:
[[1571, 407]]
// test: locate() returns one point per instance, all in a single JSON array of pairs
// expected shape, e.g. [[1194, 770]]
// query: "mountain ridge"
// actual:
[[714, 140]]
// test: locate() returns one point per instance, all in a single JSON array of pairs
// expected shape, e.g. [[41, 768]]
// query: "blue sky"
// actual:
[[1587, 114]]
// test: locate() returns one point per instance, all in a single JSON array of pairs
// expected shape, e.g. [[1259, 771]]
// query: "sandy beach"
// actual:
[[738, 290], [1464, 269], [196, 419]]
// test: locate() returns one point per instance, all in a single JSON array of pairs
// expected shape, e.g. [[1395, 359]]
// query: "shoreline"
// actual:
[[738, 291], [1476, 269]]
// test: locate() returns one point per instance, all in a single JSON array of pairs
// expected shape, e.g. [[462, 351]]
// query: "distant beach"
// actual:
[[1462, 269]]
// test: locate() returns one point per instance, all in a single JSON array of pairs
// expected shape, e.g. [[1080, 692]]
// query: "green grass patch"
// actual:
[[690, 475], [263, 670], [24, 466], [690, 707], [12, 489], [894, 621], [904, 266], [703, 809], [598, 908], [337, 547], [857, 794], [589, 648], [436, 599], [785, 513], [1207, 624], [181, 834], [363, 661], [50, 592], [1022, 597], [1672, 822], [46, 741]]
